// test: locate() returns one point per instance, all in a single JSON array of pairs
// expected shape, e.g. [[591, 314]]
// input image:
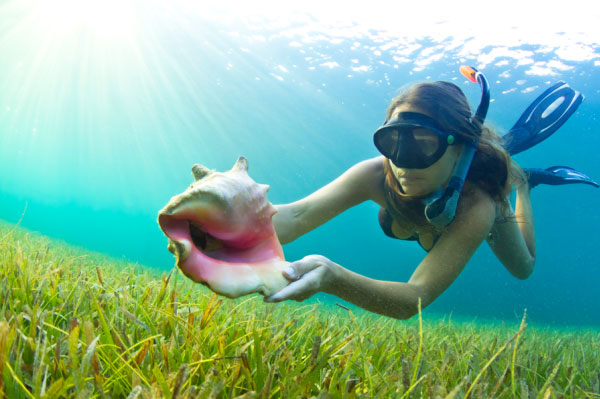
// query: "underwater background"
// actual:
[[105, 106]]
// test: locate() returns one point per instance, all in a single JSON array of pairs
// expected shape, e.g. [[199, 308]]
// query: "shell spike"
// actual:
[[200, 171], [241, 165]]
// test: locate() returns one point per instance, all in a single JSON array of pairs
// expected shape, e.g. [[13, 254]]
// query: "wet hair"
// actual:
[[492, 166]]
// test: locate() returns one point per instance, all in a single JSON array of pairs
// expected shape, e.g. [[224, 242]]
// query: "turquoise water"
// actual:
[[103, 115]]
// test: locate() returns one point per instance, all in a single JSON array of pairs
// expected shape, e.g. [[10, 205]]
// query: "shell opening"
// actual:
[[184, 230], [203, 240]]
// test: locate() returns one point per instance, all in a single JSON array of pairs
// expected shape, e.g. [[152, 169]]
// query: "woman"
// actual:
[[483, 211]]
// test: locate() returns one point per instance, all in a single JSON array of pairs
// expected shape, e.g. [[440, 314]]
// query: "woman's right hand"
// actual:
[[309, 275]]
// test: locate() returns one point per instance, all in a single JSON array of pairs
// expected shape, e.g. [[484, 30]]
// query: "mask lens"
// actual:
[[428, 142], [388, 142]]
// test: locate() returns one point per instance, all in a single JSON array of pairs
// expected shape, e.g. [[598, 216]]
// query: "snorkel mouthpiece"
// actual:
[[440, 207]]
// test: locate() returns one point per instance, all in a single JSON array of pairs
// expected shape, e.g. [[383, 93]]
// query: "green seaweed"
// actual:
[[76, 324]]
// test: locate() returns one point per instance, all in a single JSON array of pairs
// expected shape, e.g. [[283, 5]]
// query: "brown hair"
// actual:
[[491, 167]]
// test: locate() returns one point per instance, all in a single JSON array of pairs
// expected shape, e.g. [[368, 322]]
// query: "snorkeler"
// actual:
[[444, 180]]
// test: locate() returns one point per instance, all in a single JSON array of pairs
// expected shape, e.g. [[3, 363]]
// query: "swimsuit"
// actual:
[[389, 213]]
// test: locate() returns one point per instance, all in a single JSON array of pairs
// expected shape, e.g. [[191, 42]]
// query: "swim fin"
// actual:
[[556, 175], [542, 118]]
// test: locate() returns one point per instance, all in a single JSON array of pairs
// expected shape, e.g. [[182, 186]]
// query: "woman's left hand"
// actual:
[[311, 274]]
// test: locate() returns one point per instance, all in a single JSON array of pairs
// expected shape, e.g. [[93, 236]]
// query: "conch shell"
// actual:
[[222, 235]]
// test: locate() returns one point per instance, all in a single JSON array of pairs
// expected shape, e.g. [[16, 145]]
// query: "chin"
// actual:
[[414, 190], [415, 193]]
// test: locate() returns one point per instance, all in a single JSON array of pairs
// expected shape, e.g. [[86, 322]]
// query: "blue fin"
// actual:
[[542, 118], [557, 175]]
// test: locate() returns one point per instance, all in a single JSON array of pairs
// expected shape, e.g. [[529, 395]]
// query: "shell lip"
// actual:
[[192, 233]]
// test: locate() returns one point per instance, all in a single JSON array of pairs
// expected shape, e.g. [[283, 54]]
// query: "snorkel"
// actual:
[[440, 207]]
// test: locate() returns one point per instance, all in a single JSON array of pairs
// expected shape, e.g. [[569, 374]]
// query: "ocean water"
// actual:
[[105, 106]]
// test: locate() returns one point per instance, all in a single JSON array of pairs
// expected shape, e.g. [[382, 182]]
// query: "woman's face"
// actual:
[[421, 182]]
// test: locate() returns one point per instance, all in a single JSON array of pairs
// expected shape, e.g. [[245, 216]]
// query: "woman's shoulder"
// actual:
[[372, 166], [366, 172], [370, 176], [475, 200]]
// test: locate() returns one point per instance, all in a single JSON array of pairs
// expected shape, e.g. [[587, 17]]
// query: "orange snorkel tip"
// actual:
[[469, 73]]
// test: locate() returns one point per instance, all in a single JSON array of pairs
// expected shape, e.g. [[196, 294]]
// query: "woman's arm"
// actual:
[[361, 182], [435, 273], [514, 243]]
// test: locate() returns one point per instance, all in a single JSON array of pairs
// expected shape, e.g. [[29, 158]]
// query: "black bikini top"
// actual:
[[389, 213]]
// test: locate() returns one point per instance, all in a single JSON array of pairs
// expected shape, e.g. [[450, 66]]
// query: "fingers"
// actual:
[[297, 269], [299, 290], [306, 276]]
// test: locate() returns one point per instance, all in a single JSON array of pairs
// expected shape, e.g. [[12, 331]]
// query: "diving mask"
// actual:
[[412, 140]]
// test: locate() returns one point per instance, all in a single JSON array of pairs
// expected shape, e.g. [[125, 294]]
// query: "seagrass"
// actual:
[[77, 324]]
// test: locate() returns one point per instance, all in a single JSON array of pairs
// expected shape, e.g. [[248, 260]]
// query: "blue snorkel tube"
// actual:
[[440, 207]]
